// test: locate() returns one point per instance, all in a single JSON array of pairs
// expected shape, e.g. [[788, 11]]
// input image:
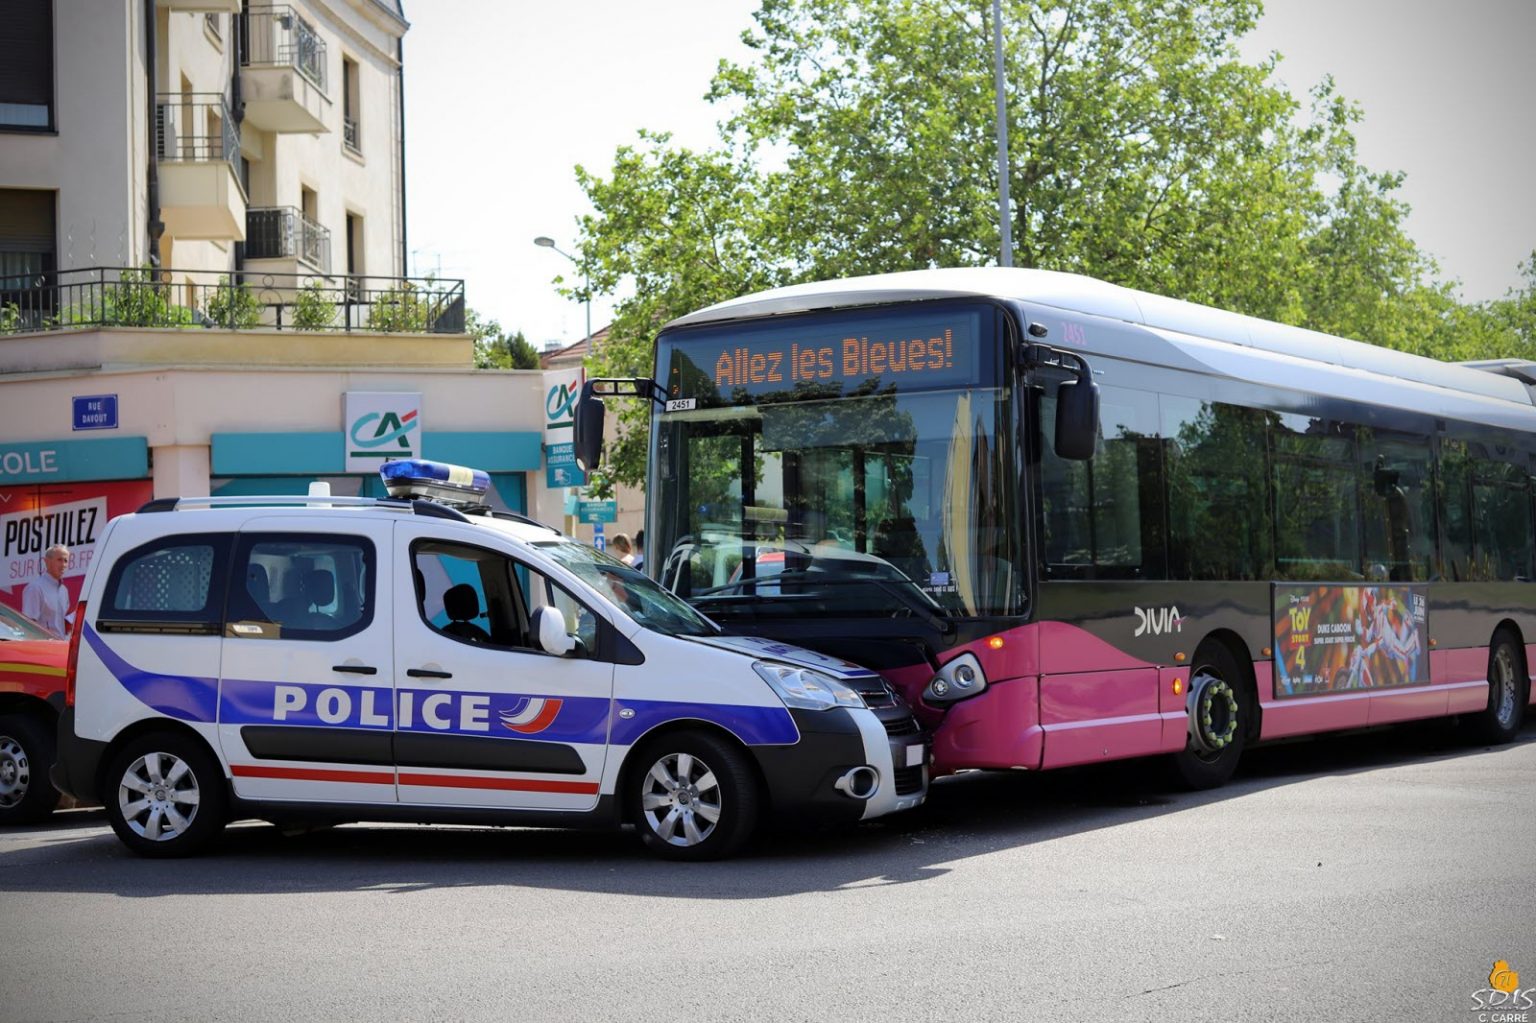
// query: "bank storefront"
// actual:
[[188, 433], [376, 426]]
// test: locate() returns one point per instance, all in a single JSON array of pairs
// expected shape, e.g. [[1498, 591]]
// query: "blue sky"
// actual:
[[504, 99]]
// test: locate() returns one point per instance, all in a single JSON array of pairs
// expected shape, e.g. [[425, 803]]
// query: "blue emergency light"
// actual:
[[419, 479]]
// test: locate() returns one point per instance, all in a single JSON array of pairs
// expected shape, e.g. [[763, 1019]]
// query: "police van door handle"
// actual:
[[356, 669], [427, 673]]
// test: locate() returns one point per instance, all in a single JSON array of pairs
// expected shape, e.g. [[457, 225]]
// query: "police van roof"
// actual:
[[514, 524]]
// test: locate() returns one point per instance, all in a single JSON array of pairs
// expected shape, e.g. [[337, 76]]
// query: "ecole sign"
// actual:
[[69, 461]]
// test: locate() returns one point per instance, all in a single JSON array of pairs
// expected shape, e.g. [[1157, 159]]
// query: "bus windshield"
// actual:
[[644, 601], [842, 464]]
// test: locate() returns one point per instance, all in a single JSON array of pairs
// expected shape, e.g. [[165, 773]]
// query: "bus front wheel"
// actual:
[[1220, 709]]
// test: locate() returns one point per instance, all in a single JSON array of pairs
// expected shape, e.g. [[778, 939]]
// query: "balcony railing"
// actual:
[[284, 232], [195, 127], [349, 133], [128, 297], [275, 35]]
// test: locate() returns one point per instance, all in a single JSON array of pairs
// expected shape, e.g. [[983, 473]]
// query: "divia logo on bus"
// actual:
[[1158, 621], [381, 426]]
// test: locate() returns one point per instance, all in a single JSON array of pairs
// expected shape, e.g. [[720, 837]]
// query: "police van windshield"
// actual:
[[642, 599]]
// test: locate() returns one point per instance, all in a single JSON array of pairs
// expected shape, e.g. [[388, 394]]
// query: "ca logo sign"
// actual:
[[386, 427], [560, 402]]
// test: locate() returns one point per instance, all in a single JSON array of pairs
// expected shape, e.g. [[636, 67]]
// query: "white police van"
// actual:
[[422, 659]]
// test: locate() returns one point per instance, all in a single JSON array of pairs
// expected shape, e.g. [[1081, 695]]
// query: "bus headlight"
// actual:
[[806, 688], [958, 680]]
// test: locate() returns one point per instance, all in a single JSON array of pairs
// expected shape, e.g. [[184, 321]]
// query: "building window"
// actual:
[[26, 65], [26, 237], [350, 106]]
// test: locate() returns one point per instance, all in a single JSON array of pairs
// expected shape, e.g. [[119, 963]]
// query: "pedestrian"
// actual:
[[46, 599], [623, 548], [639, 559]]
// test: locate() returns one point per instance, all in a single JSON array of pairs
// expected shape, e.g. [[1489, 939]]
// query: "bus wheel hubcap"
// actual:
[[1504, 686], [1212, 714]]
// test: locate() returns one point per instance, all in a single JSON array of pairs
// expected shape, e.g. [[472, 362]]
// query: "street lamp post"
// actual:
[[586, 286], [1004, 221]]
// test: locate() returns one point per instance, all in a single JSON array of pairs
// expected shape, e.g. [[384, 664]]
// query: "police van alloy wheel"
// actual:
[[165, 795], [27, 749], [693, 796], [1501, 719], [1219, 715]]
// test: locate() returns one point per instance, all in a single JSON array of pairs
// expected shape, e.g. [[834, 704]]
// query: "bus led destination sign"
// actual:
[[850, 357], [912, 352]]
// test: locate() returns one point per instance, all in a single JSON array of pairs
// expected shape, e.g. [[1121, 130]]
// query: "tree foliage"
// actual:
[[1143, 150], [497, 349]]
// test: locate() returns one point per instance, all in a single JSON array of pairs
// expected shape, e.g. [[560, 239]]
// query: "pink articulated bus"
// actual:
[[1069, 522]]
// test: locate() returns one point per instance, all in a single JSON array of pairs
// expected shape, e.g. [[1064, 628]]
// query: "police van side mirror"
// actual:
[[588, 428], [1077, 419], [549, 626]]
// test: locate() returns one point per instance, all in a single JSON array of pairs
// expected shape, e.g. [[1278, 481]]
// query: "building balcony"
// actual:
[[283, 72], [205, 6], [179, 304], [197, 147], [283, 239]]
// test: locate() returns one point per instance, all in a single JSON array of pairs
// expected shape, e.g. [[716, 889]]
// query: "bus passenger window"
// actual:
[[1218, 504]]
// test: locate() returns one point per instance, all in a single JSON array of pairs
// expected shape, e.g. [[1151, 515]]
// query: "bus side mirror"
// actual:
[[588, 428], [1077, 419]]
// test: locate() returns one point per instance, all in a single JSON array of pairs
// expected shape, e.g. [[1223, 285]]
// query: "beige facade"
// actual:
[[279, 128]]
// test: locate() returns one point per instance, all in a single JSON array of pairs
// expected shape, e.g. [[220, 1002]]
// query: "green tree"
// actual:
[[1143, 150], [1514, 316], [495, 348]]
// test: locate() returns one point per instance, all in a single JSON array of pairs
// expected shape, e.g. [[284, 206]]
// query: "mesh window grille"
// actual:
[[174, 579]]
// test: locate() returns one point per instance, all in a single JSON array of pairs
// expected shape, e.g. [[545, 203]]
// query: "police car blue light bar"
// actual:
[[419, 479]]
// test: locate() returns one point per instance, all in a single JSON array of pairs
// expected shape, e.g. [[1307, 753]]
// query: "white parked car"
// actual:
[[345, 659]]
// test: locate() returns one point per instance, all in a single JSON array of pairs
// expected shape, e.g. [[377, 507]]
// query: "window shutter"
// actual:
[[26, 220], [26, 54]]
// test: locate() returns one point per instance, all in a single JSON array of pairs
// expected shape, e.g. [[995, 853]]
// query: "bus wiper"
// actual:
[[916, 605]]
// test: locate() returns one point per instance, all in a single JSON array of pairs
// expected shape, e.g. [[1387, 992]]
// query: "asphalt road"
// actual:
[[1360, 878]]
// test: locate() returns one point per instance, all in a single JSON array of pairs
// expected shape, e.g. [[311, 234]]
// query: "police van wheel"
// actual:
[[693, 797], [1219, 716], [164, 795], [26, 753], [1507, 694]]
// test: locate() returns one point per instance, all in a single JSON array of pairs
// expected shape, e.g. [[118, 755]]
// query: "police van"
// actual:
[[423, 659]]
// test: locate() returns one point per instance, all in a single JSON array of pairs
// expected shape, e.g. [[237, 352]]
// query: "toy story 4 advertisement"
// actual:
[[1331, 639]]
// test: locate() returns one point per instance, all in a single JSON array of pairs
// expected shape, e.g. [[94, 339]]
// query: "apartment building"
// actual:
[[203, 284], [201, 136]]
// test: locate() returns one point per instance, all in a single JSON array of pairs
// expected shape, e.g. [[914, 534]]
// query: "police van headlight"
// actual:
[[957, 680], [806, 688]]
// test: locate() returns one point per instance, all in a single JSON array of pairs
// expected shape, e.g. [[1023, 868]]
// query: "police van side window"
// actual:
[[467, 593], [483, 597], [301, 586], [172, 585]]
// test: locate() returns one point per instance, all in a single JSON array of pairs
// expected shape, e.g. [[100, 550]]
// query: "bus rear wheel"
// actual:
[[1507, 693], [1219, 714]]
